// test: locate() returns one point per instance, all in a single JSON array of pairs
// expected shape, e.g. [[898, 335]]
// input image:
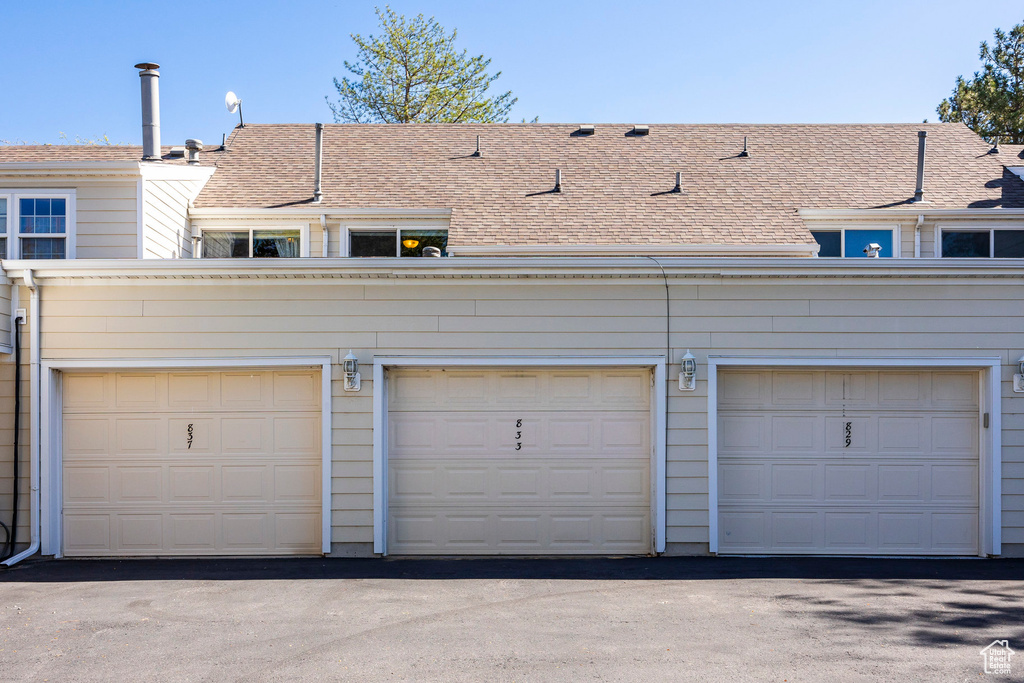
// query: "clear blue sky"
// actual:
[[67, 66]]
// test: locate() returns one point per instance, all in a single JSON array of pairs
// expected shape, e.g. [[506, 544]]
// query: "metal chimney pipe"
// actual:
[[318, 164], [150, 110], [919, 188]]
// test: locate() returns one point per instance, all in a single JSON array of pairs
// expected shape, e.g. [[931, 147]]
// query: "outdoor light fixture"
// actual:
[[410, 244], [1018, 379], [350, 365], [688, 372]]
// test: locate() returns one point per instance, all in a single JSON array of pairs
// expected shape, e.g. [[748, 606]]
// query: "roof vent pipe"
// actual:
[[744, 153], [318, 164], [995, 146], [477, 152], [150, 110], [679, 182], [558, 180], [919, 188], [192, 149]]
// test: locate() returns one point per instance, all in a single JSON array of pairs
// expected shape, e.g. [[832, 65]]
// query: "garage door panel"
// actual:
[[794, 434], [192, 532], [245, 483], [796, 482], [956, 532], [896, 469], [538, 462], [245, 531], [517, 531], [503, 390], [193, 390], [139, 435], [849, 531], [248, 483], [138, 532], [595, 434], [444, 481], [136, 484], [797, 530], [850, 483], [191, 483], [139, 391]]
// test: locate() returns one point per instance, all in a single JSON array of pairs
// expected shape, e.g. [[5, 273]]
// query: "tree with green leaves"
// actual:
[[414, 74], [992, 103]]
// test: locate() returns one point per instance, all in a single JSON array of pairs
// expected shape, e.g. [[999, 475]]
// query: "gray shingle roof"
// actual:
[[614, 185]]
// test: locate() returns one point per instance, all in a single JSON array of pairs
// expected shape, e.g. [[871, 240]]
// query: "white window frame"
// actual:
[[990, 229], [13, 233], [897, 238], [303, 229], [347, 230]]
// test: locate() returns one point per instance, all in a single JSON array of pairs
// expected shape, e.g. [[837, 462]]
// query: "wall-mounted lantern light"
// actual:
[[688, 372], [350, 365], [1018, 379]]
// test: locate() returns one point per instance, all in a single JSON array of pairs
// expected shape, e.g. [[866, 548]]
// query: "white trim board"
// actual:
[[52, 423], [658, 421], [990, 481]]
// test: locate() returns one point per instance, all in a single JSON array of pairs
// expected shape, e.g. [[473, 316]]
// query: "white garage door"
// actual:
[[848, 462], [519, 461], [192, 463]]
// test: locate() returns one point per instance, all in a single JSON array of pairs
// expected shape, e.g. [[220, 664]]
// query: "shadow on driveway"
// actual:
[[595, 569]]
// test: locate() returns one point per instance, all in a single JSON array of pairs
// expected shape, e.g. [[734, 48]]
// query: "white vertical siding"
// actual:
[[167, 232]]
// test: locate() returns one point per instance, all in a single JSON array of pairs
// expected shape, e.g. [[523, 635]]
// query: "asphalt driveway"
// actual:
[[652, 620]]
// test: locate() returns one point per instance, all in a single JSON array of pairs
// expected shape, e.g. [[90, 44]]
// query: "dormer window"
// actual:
[[392, 242], [36, 225], [853, 242], [255, 243], [986, 243]]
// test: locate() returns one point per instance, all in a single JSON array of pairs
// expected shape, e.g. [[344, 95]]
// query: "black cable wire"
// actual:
[[668, 312], [12, 533]]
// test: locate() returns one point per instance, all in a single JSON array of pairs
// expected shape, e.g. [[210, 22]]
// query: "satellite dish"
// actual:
[[233, 103]]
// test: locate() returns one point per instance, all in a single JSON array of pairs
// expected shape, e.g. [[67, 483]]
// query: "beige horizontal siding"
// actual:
[[774, 317], [107, 220]]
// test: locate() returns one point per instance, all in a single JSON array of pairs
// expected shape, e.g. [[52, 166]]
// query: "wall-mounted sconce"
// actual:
[[688, 372], [350, 365], [1018, 379]]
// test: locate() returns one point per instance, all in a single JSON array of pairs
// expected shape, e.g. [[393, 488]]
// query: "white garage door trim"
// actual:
[[52, 421], [990, 438], [658, 406]]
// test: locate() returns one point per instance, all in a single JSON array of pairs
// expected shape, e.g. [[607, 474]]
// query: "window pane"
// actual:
[[3, 218], [43, 247], [965, 244], [1009, 244], [415, 241], [830, 243], [3, 247], [857, 240], [225, 244], [275, 243], [42, 216], [373, 243]]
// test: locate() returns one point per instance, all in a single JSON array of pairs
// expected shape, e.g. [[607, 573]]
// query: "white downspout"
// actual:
[[323, 229], [35, 450], [917, 236]]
